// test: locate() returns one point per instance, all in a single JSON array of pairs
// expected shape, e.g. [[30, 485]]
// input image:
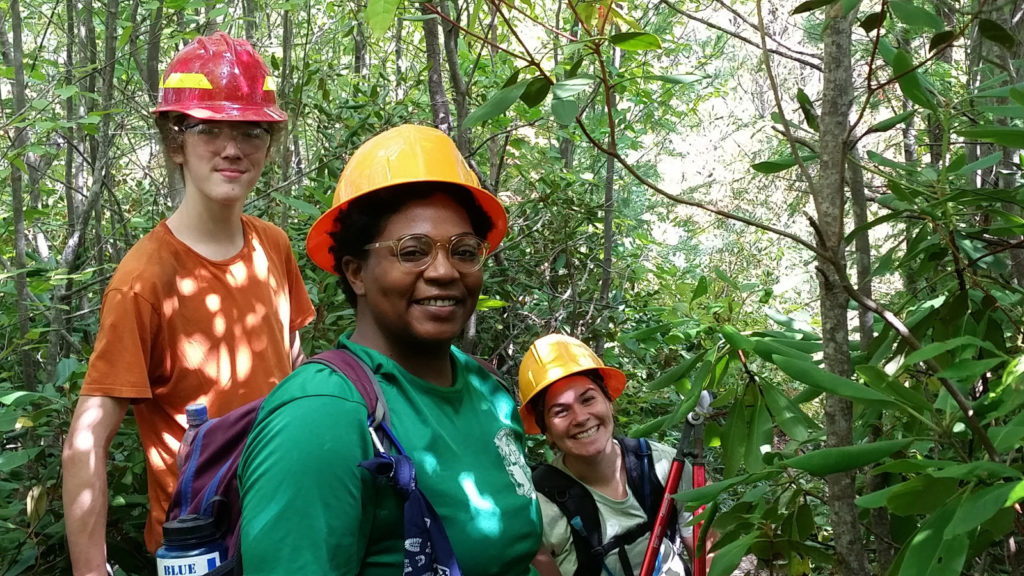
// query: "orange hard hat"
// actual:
[[401, 155], [220, 78], [552, 358]]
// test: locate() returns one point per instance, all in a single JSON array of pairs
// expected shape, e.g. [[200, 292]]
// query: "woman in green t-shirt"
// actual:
[[407, 235]]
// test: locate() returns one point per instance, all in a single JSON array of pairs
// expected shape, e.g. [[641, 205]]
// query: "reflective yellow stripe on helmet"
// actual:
[[269, 84], [186, 80]]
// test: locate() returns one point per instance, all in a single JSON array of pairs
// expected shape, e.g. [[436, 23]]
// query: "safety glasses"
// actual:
[[250, 138]]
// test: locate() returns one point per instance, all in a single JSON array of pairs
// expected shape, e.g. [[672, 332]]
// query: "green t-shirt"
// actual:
[[308, 508]]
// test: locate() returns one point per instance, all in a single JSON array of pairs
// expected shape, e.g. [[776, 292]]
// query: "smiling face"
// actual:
[[224, 169], [401, 309], [579, 418]]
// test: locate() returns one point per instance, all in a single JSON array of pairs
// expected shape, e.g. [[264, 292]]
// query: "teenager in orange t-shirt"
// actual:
[[205, 308]]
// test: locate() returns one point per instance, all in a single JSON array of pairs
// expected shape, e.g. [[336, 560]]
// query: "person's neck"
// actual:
[[426, 362], [603, 472], [211, 229]]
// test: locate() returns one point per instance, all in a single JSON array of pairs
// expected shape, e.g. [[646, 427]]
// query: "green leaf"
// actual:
[[880, 380], [700, 290], [890, 123], [299, 204], [497, 104], [986, 162], [735, 339], [760, 435], [811, 5], [910, 81], [921, 495], [536, 92], [781, 164], [1017, 95], [788, 416], [995, 32], [734, 438], [883, 161], [1011, 136], [729, 556], [872, 21], [635, 41], [486, 303], [564, 110], [807, 108], [825, 461], [11, 460], [379, 15], [936, 348], [927, 552], [676, 78], [1004, 438], [980, 506], [572, 86], [676, 373], [970, 370], [941, 39], [815, 377], [916, 17], [978, 471]]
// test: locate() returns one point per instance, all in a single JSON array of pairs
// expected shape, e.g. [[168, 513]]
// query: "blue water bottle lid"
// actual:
[[195, 414]]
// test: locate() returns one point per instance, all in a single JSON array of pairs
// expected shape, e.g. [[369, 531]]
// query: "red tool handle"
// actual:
[[658, 532], [700, 553]]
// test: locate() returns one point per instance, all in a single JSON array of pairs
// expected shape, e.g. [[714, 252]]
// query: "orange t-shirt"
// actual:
[[177, 328]]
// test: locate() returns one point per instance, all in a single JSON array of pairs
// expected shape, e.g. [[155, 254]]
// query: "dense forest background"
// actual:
[[811, 209]]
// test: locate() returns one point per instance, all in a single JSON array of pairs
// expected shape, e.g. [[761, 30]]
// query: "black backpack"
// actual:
[[577, 504]]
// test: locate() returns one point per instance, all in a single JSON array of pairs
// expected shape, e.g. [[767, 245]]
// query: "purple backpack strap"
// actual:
[[361, 377]]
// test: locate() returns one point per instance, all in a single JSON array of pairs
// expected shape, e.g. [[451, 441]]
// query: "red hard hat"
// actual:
[[220, 78]]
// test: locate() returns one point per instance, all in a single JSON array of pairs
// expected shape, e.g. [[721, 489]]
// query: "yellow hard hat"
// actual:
[[401, 155], [552, 358]]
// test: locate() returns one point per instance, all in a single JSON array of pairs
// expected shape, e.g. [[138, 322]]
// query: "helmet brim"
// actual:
[[227, 112], [318, 240]]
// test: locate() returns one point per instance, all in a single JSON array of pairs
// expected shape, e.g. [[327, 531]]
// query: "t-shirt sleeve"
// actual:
[[557, 535], [120, 361], [302, 311], [299, 469]]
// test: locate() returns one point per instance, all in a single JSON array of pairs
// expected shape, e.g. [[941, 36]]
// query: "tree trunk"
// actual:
[[284, 96], [13, 57], [609, 218], [439, 107], [460, 92], [837, 93], [249, 19]]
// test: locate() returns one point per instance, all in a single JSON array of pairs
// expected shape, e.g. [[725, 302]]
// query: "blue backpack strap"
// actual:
[[643, 480], [428, 550]]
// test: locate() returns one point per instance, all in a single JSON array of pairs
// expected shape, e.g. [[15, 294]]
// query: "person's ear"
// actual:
[[353, 269]]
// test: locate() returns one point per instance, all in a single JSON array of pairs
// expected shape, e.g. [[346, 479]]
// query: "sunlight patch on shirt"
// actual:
[[486, 515]]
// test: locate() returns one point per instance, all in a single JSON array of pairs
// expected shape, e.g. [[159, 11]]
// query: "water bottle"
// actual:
[[196, 416], [191, 546]]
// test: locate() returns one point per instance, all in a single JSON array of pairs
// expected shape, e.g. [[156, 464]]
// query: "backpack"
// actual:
[[208, 483], [576, 502]]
